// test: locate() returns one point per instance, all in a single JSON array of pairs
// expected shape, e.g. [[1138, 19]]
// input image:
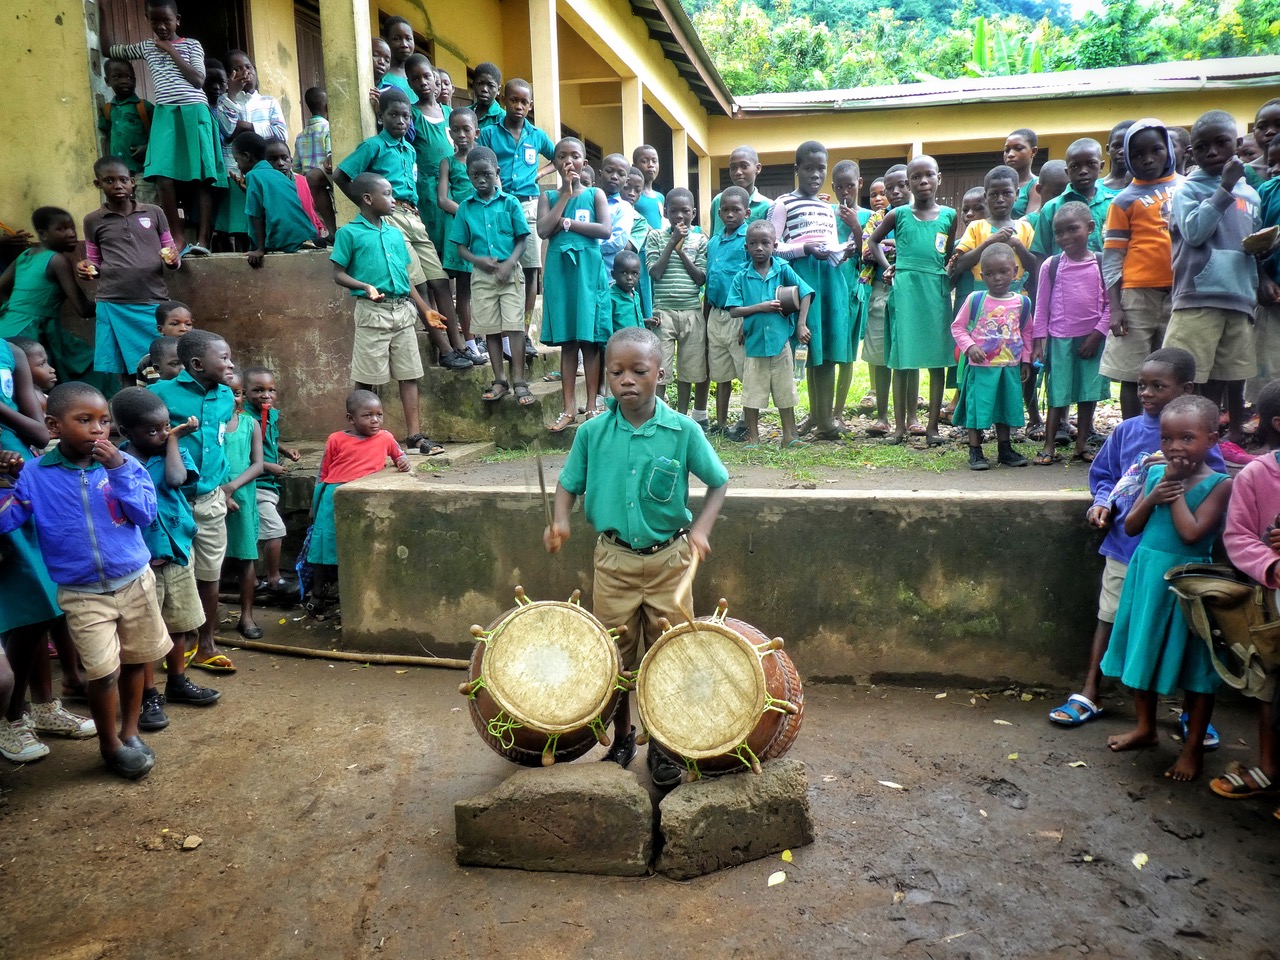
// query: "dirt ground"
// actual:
[[323, 795]]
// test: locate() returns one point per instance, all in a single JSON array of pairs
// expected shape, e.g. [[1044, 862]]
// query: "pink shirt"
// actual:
[[1076, 304], [308, 204], [1000, 331], [1255, 503]]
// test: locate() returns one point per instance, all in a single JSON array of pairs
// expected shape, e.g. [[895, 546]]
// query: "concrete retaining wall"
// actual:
[[969, 587]]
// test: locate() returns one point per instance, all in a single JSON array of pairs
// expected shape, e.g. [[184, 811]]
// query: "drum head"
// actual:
[[701, 690], [551, 666]]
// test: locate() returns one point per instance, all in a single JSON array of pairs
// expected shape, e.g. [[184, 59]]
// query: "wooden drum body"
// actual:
[[718, 694], [544, 681]]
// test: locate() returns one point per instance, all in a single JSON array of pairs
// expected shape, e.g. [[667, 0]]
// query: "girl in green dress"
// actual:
[[452, 187], [244, 466], [575, 311], [919, 320], [431, 144]]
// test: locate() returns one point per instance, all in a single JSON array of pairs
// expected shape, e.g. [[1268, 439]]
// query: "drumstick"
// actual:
[[542, 482], [684, 592]]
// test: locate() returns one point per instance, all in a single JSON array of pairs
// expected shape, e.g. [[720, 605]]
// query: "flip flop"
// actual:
[[562, 423], [1082, 456], [1043, 459], [553, 377], [1079, 708], [916, 430], [1232, 784], [877, 431], [1211, 739], [218, 663], [794, 445]]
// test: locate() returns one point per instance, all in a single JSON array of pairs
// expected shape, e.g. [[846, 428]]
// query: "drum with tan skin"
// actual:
[[544, 681], [719, 695]]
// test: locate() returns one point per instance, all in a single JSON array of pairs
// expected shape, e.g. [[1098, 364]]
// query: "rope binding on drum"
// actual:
[[501, 729]]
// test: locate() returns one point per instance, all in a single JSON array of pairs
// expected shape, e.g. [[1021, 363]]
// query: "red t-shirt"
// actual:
[[349, 457]]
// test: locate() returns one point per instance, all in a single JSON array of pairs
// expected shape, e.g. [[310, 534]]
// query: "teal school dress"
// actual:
[[242, 525], [460, 189], [577, 307], [919, 315], [1024, 198], [27, 595], [1152, 648], [431, 144], [859, 293], [650, 209]]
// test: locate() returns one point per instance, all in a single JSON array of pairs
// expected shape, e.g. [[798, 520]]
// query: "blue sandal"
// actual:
[[1211, 739], [1079, 708]]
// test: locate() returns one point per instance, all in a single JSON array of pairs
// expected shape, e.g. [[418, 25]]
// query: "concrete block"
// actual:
[[719, 822], [572, 818]]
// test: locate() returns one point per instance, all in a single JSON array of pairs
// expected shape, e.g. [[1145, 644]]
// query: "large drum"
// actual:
[[720, 695], [544, 681]]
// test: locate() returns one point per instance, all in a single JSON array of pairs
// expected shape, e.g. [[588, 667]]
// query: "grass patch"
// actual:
[[511, 456]]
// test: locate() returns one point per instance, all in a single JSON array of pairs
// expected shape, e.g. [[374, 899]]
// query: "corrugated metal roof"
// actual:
[[1148, 78]]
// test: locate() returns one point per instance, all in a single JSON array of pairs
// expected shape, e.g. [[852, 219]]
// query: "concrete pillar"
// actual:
[[706, 191], [348, 77], [544, 45], [917, 149], [679, 157], [632, 114]]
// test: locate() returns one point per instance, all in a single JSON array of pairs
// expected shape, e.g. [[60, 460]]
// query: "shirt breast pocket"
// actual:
[[660, 480]]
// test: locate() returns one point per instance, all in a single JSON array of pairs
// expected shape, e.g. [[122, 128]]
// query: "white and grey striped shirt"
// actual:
[[171, 86]]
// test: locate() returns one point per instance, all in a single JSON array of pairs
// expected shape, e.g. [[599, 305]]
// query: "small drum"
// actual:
[[544, 681], [718, 694]]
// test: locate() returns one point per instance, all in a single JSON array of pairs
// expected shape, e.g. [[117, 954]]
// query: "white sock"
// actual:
[[506, 346], [700, 415], [471, 344]]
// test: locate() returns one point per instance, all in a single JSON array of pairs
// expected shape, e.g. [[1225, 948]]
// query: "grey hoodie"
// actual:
[[1208, 226]]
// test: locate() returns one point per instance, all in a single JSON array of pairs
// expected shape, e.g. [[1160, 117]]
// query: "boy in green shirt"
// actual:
[[1084, 167], [631, 464], [677, 261], [277, 221], [126, 125], [624, 300]]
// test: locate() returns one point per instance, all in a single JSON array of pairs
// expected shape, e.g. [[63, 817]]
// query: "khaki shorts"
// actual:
[[873, 337], [1146, 313], [726, 355], [634, 589], [1113, 574], [424, 266], [1220, 340], [766, 375], [109, 629], [386, 344], [496, 307], [531, 258], [209, 548], [270, 526], [1266, 347], [177, 597], [682, 335]]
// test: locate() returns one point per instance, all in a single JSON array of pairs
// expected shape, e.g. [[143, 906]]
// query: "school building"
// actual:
[[617, 73]]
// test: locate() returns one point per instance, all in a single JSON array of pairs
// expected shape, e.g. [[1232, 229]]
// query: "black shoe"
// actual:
[[623, 750], [737, 433], [152, 716], [477, 356], [130, 763], [137, 744], [1009, 457], [665, 772], [978, 460], [453, 360], [182, 690], [530, 351]]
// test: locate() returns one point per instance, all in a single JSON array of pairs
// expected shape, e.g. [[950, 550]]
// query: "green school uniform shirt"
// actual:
[[635, 480], [766, 333], [517, 156], [171, 532], [270, 443], [676, 289], [273, 196], [122, 122], [625, 308], [489, 228], [373, 254], [487, 118], [390, 158], [726, 258], [1045, 246], [214, 408], [757, 209]]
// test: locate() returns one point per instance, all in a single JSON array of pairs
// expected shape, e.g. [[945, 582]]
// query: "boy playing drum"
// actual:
[[632, 465]]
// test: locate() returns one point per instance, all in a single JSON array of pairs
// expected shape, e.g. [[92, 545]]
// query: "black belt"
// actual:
[[394, 300], [643, 551], [526, 199]]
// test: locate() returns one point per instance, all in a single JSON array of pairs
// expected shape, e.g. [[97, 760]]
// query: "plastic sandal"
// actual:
[[1079, 708], [553, 377], [524, 396], [497, 390], [1232, 784], [1211, 739], [562, 423]]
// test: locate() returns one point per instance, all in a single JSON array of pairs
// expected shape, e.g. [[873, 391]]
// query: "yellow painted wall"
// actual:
[[50, 141], [466, 32], [273, 45]]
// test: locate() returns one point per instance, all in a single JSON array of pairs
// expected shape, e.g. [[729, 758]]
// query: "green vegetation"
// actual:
[[768, 46]]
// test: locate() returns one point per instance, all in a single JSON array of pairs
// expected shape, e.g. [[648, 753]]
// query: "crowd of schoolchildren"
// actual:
[[114, 546]]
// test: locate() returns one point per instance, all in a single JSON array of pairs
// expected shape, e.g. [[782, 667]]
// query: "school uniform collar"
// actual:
[[131, 98], [497, 195], [391, 141], [756, 195], [55, 458], [740, 232], [191, 383], [775, 268], [663, 416]]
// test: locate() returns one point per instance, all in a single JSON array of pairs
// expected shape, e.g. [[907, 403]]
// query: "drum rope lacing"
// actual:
[[501, 729]]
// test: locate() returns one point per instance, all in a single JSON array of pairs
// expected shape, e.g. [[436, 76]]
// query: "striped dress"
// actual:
[[799, 220]]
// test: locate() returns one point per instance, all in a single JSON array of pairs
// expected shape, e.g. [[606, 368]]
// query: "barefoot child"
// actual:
[[1116, 477], [919, 311], [726, 258], [767, 333], [143, 421], [244, 465], [1252, 539], [641, 554], [490, 232], [261, 396], [1072, 318], [1178, 516], [89, 505], [360, 450], [573, 220], [993, 330]]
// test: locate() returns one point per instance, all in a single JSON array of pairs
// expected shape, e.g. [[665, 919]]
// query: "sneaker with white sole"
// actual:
[[55, 719], [19, 744]]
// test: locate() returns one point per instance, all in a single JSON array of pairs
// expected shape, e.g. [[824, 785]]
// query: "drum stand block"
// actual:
[[573, 818], [719, 822]]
